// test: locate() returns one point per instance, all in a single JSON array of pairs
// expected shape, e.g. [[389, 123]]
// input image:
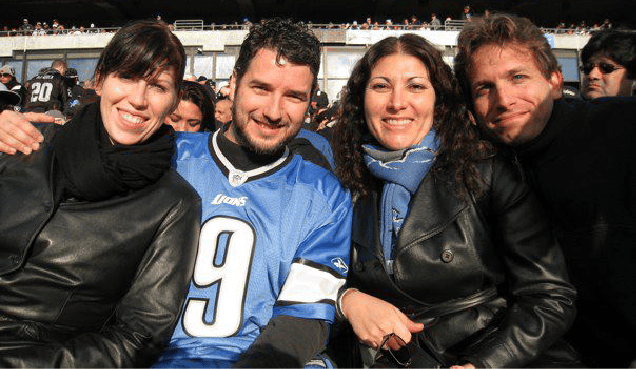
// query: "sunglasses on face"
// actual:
[[605, 68], [5, 74]]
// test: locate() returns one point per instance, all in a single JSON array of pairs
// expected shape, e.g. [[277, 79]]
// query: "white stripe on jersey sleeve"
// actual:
[[306, 284]]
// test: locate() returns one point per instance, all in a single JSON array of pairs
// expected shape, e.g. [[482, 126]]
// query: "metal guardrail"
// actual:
[[188, 25], [454, 25]]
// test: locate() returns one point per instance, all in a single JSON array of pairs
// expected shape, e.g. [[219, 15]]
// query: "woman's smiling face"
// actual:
[[133, 109], [399, 101]]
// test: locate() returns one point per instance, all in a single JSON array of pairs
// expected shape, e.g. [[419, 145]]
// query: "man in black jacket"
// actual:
[[47, 90], [579, 156]]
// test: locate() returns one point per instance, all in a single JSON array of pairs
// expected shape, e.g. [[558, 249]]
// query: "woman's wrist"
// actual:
[[340, 313]]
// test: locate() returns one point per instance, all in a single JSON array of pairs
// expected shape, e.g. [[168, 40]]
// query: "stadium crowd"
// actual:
[[429, 216], [435, 21]]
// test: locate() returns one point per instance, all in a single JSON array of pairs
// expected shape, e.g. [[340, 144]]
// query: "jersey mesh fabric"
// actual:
[[274, 245]]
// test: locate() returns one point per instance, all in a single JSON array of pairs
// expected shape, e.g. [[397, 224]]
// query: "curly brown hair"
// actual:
[[460, 146]]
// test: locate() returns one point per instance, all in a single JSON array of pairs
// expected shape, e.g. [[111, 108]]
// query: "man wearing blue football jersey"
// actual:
[[275, 234], [275, 237]]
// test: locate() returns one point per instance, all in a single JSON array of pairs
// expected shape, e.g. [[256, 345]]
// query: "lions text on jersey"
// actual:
[[274, 241]]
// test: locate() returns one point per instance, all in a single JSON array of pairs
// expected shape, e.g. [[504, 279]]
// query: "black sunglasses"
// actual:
[[401, 357], [6, 74], [605, 68]]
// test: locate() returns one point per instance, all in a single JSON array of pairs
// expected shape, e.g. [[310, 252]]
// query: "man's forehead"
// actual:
[[492, 57], [268, 63], [223, 104], [600, 57]]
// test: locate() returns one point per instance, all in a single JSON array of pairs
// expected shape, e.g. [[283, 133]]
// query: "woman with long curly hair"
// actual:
[[453, 260]]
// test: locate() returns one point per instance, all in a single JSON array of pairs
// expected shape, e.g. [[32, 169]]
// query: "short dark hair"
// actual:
[[294, 42], [502, 30], [196, 94], [620, 46], [139, 50]]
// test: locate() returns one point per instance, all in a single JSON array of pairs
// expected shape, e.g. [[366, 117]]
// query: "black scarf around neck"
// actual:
[[95, 169]]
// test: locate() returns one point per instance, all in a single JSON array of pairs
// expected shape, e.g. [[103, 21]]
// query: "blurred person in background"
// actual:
[[609, 64], [195, 110], [7, 77]]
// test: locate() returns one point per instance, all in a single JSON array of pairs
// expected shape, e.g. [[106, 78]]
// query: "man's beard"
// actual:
[[245, 141]]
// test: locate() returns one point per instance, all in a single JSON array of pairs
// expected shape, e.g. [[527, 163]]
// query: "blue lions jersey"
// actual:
[[274, 241]]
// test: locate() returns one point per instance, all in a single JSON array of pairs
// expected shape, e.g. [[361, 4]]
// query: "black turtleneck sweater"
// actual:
[[583, 165]]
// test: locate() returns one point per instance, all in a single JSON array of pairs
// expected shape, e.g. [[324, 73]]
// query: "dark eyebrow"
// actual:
[[480, 83], [297, 93], [302, 95]]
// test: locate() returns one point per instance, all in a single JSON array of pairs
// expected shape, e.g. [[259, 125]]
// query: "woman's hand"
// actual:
[[18, 134], [373, 319]]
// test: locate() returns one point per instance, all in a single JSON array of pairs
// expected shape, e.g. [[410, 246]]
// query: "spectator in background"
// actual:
[[38, 31], [59, 65], [26, 29], [415, 23], [205, 83], [581, 159], [435, 23], [609, 64], [222, 112], [60, 30], [607, 24], [320, 100], [8, 99], [47, 91], [467, 14], [75, 93], [246, 24], [224, 90], [7, 77], [195, 110], [368, 24]]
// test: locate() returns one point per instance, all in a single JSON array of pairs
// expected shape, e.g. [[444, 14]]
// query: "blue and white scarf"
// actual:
[[402, 171]]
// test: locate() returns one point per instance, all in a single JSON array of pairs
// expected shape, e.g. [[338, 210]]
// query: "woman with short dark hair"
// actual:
[[98, 234]]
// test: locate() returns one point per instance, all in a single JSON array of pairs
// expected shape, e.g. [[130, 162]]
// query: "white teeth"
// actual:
[[132, 119], [396, 121]]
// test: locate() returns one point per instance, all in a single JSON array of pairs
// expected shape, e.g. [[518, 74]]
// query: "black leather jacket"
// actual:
[[485, 275], [88, 284]]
